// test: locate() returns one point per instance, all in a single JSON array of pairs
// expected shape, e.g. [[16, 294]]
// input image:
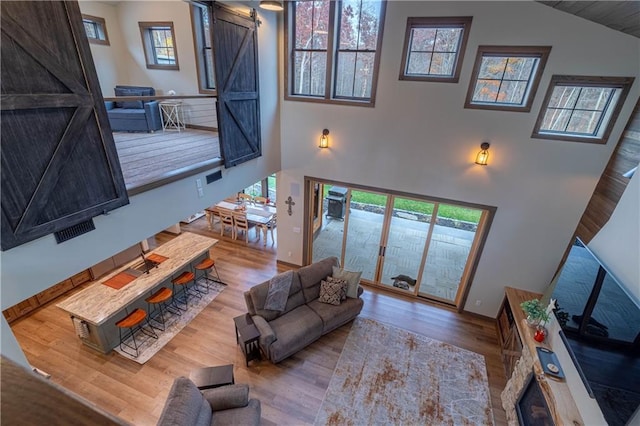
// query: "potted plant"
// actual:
[[536, 312]]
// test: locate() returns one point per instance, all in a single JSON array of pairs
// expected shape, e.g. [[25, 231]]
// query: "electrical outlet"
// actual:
[[296, 230], [198, 183], [478, 302], [289, 254], [200, 193]]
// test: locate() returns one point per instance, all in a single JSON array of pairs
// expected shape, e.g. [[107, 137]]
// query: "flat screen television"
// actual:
[[601, 323]]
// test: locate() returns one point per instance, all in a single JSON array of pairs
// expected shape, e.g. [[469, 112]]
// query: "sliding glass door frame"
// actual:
[[483, 227]]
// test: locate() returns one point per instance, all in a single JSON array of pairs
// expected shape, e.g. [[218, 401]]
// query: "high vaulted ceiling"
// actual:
[[623, 16]]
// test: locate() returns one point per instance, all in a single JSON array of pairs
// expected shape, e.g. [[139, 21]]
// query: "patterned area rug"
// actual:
[[149, 346], [389, 376]]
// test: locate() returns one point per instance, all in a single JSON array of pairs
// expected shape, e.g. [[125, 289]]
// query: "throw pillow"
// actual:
[[330, 292], [353, 278], [344, 285]]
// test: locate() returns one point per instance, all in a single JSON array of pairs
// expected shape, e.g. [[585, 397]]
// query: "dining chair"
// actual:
[[226, 219], [245, 197], [268, 227], [262, 201], [241, 224], [212, 214]]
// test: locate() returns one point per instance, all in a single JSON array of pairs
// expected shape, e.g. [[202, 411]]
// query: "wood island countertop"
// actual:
[[99, 302]]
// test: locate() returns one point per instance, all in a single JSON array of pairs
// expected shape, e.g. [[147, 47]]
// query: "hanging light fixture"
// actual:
[[271, 5], [483, 155], [324, 139]]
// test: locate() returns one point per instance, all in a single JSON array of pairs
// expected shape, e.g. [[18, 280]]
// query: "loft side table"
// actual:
[[171, 115], [212, 377]]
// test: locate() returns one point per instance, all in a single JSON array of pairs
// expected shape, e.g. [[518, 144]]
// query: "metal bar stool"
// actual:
[[182, 281], [159, 299], [133, 322], [204, 266]]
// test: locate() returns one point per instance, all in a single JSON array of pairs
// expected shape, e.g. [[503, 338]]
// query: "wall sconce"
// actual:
[[271, 5], [483, 155], [324, 139]]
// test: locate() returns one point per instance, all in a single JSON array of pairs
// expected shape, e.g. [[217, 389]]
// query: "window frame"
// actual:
[[199, 48], [100, 25], [540, 52], [146, 29], [332, 53], [611, 115], [463, 22]]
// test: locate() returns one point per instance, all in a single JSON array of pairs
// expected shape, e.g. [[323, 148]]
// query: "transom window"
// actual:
[[434, 48], [334, 50], [506, 77], [158, 40], [580, 108], [96, 29], [201, 22]]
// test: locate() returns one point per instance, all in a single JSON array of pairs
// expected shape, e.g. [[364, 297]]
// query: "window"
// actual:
[[334, 50], [434, 48], [201, 23], [159, 42], [506, 77], [581, 109], [96, 29]]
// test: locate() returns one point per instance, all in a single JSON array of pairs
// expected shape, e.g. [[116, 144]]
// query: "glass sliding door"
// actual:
[[365, 221], [328, 229], [448, 257], [406, 241]]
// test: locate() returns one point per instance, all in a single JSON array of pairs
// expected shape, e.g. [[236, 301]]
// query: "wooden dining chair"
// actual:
[[226, 219], [245, 197], [212, 214], [261, 201], [268, 227], [241, 224]]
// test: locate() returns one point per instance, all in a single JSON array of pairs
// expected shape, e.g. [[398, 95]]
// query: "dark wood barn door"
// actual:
[[235, 51], [59, 161]]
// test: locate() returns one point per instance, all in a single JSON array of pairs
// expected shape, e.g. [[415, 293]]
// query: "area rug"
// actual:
[[149, 346], [389, 376]]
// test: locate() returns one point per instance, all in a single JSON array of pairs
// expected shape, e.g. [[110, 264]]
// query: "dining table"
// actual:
[[258, 214]]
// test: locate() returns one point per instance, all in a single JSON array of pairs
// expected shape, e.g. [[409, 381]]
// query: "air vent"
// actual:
[[74, 231], [214, 176]]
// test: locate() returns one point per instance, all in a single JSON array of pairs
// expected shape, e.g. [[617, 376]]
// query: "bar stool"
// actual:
[[182, 281], [159, 299], [133, 322], [205, 266]]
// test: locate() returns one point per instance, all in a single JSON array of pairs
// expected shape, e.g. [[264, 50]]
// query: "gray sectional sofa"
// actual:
[[305, 318], [186, 405], [134, 116]]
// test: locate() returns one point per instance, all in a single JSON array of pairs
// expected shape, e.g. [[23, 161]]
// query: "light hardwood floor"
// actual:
[[290, 392]]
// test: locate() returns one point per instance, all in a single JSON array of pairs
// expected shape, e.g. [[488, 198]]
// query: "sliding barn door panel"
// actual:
[[235, 49], [58, 157]]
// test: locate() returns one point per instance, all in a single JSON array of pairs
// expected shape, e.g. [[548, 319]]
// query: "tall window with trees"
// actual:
[[434, 48], [159, 42], [581, 109], [201, 23], [333, 50], [506, 77]]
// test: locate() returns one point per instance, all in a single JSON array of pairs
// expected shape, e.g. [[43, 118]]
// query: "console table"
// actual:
[[95, 310]]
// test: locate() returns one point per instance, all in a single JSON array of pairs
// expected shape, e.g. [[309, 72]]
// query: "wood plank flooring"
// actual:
[[147, 157], [290, 392]]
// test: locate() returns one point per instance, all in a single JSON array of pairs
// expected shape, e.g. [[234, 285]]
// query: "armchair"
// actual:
[[134, 115]]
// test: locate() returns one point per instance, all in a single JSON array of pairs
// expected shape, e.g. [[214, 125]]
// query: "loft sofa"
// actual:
[[186, 405], [134, 116], [304, 319]]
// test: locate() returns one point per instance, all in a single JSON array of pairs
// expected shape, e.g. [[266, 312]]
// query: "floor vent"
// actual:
[[74, 231]]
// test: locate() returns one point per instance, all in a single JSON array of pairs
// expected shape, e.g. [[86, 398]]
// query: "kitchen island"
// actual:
[[95, 310]]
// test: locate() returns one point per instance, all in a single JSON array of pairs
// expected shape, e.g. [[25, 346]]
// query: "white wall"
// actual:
[[419, 139], [149, 212], [617, 244]]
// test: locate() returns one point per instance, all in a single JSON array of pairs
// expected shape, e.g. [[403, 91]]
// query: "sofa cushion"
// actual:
[[259, 293], [127, 114], [226, 397], [331, 292], [311, 275], [294, 331], [333, 316], [352, 277], [246, 416], [185, 405]]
